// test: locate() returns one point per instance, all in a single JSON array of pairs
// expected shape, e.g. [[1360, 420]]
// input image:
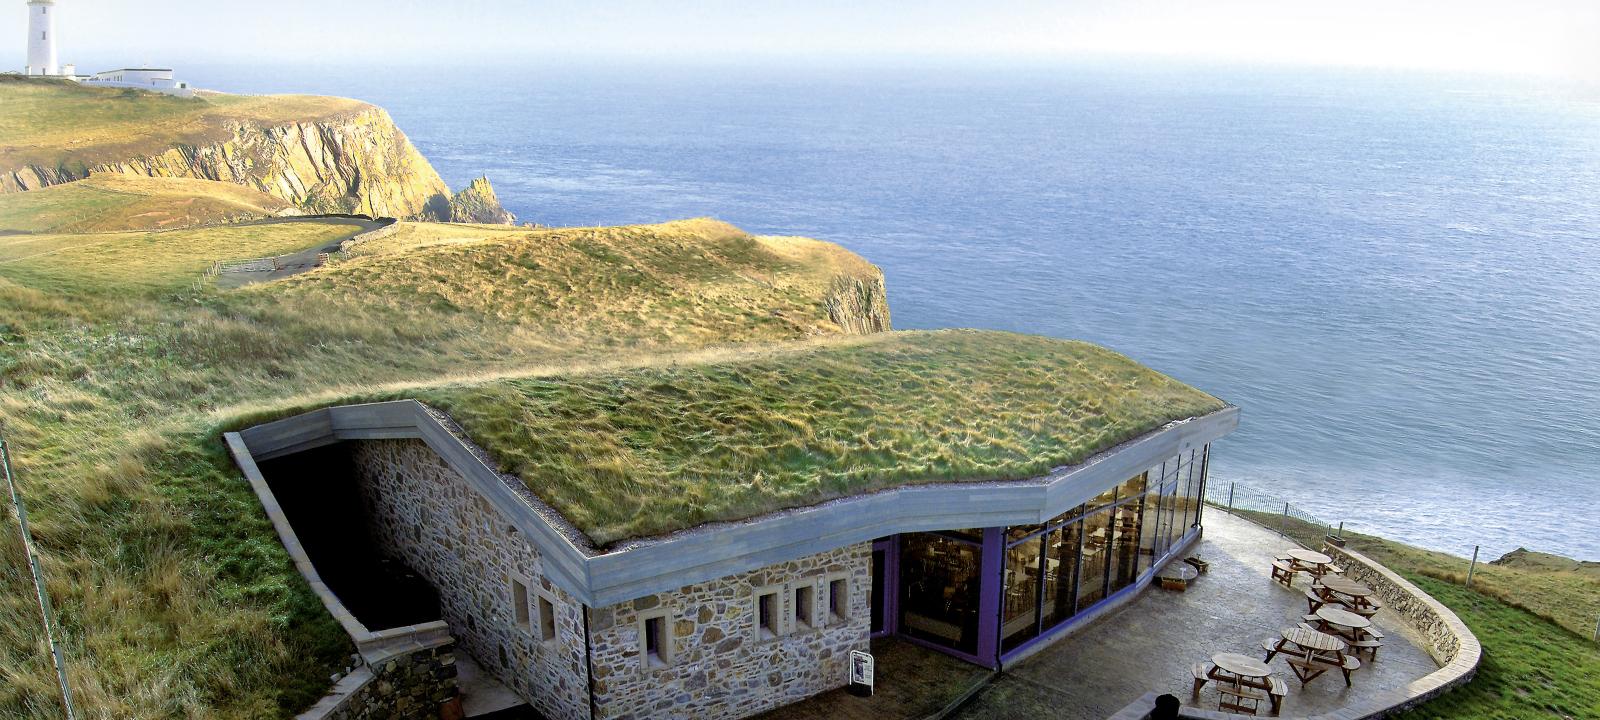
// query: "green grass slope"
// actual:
[[105, 203], [175, 597], [1531, 669]]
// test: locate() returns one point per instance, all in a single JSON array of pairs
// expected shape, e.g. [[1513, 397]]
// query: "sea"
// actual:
[[1396, 276]]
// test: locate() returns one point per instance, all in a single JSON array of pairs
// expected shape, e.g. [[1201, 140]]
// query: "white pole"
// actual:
[[1473, 566]]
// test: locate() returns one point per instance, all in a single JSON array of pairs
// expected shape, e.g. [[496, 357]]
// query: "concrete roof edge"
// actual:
[[654, 565]]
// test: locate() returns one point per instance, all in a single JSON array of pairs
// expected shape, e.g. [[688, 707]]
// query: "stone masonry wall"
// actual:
[[1447, 636], [719, 668], [427, 515], [408, 686]]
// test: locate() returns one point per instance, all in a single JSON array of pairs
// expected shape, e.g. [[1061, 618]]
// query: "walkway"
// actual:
[[1151, 644], [301, 260]]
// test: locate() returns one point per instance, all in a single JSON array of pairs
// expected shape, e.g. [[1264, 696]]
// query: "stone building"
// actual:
[[723, 620]]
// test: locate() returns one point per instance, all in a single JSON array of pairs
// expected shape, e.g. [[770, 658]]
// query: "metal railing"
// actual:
[[46, 613]]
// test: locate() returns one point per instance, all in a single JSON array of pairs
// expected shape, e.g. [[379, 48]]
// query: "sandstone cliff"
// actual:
[[860, 305], [478, 204], [357, 162]]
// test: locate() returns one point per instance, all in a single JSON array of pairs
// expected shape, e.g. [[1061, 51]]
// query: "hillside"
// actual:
[[318, 153], [694, 282], [119, 363], [107, 202]]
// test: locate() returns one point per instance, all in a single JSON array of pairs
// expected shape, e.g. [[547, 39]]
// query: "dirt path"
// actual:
[[301, 260]]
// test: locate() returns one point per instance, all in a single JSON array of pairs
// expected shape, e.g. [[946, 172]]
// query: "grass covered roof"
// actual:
[[645, 451]]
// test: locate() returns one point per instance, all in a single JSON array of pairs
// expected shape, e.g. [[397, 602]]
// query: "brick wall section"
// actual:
[[719, 668], [427, 515]]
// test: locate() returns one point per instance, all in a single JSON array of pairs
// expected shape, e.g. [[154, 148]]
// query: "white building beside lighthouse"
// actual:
[[42, 60], [42, 38]]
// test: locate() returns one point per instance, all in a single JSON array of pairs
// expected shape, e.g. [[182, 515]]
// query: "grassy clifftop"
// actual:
[[175, 598], [48, 121], [318, 153], [690, 282]]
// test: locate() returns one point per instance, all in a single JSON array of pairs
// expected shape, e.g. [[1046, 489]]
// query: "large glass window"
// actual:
[[1097, 540], [1169, 505], [1150, 520], [1125, 543], [1024, 572], [939, 590], [1186, 493], [1061, 574]]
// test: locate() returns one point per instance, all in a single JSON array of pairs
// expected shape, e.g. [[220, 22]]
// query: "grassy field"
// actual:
[[690, 282], [50, 121], [109, 202], [116, 367], [116, 262], [1531, 669]]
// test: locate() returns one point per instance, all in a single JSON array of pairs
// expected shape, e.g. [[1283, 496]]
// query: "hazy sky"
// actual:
[[1557, 37]]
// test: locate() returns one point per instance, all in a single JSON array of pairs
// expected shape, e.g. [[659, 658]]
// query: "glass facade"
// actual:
[[1045, 574], [939, 583]]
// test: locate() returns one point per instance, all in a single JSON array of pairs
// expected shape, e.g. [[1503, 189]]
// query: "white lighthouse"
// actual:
[[42, 38]]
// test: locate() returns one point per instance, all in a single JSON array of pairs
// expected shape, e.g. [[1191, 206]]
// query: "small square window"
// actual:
[[803, 595], [655, 640], [547, 619], [769, 614], [519, 604], [838, 599]]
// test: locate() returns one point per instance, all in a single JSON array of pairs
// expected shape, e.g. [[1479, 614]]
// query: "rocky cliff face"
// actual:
[[859, 305], [357, 163], [478, 204]]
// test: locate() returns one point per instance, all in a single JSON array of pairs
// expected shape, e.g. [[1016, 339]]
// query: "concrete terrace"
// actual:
[[1150, 644]]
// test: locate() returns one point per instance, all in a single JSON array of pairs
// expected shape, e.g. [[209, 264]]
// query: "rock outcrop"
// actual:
[[478, 204], [860, 305], [357, 162]]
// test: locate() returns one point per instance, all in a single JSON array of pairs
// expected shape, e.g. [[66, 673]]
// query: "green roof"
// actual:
[[641, 452]]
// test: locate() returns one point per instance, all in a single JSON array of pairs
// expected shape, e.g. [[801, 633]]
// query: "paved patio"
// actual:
[[910, 683], [1151, 643]]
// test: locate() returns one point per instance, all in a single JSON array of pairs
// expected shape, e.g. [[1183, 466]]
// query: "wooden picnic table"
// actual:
[[1337, 618], [1348, 593], [1347, 587], [1311, 561], [1241, 666], [1310, 557], [1240, 677], [1313, 640]]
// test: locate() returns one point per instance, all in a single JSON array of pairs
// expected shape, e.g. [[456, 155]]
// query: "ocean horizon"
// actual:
[[1395, 276]]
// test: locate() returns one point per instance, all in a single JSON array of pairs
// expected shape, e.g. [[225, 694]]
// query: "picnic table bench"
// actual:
[[1242, 682]]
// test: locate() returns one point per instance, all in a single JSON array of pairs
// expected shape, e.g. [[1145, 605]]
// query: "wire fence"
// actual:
[[1296, 523], [46, 613]]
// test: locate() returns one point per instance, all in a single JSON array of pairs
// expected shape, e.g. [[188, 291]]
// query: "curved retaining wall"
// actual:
[[1450, 642], [389, 226]]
